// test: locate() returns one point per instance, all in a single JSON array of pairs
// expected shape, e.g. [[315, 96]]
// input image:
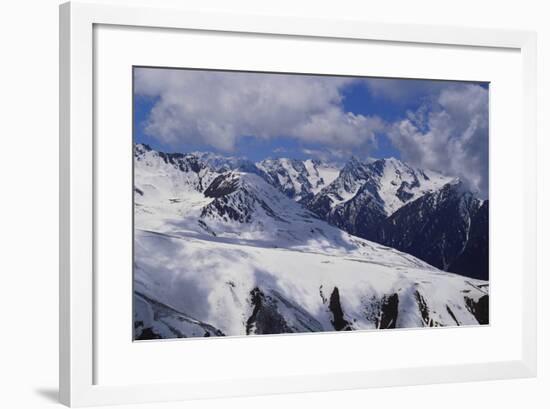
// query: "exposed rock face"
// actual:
[[479, 308], [265, 318], [338, 321]]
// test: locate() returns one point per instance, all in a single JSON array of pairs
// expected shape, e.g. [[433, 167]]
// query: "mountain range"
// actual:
[[226, 246], [421, 212]]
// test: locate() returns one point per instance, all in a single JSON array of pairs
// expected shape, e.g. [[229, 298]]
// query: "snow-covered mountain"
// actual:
[[389, 182], [298, 179], [244, 205], [364, 194], [421, 212], [223, 251]]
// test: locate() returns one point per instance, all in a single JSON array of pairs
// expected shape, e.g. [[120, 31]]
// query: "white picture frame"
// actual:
[[78, 292]]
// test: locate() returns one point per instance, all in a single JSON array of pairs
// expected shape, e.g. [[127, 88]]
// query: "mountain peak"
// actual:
[[141, 148], [144, 146], [353, 165], [354, 161], [391, 161], [298, 179], [458, 187]]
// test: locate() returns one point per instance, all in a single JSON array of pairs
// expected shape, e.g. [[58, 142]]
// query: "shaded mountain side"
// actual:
[[474, 260], [448, 229], [359, 216]]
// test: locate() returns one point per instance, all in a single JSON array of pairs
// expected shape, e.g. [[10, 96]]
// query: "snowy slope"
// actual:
[[168, 186], [388, 182], [320, 174], [240, 289], [298, 179], [225, 252], [398, 183]]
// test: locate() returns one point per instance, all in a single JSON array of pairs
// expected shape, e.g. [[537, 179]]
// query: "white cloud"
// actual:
[[218, 108], [450, 134]]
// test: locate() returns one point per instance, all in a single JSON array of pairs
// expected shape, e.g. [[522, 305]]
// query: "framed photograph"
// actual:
[[255, 204]]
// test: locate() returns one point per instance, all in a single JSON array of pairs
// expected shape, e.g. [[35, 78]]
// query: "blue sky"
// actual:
[[441, 125]]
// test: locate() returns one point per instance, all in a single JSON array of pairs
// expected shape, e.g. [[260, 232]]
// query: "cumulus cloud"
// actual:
[[218, 108], [449, 134]]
